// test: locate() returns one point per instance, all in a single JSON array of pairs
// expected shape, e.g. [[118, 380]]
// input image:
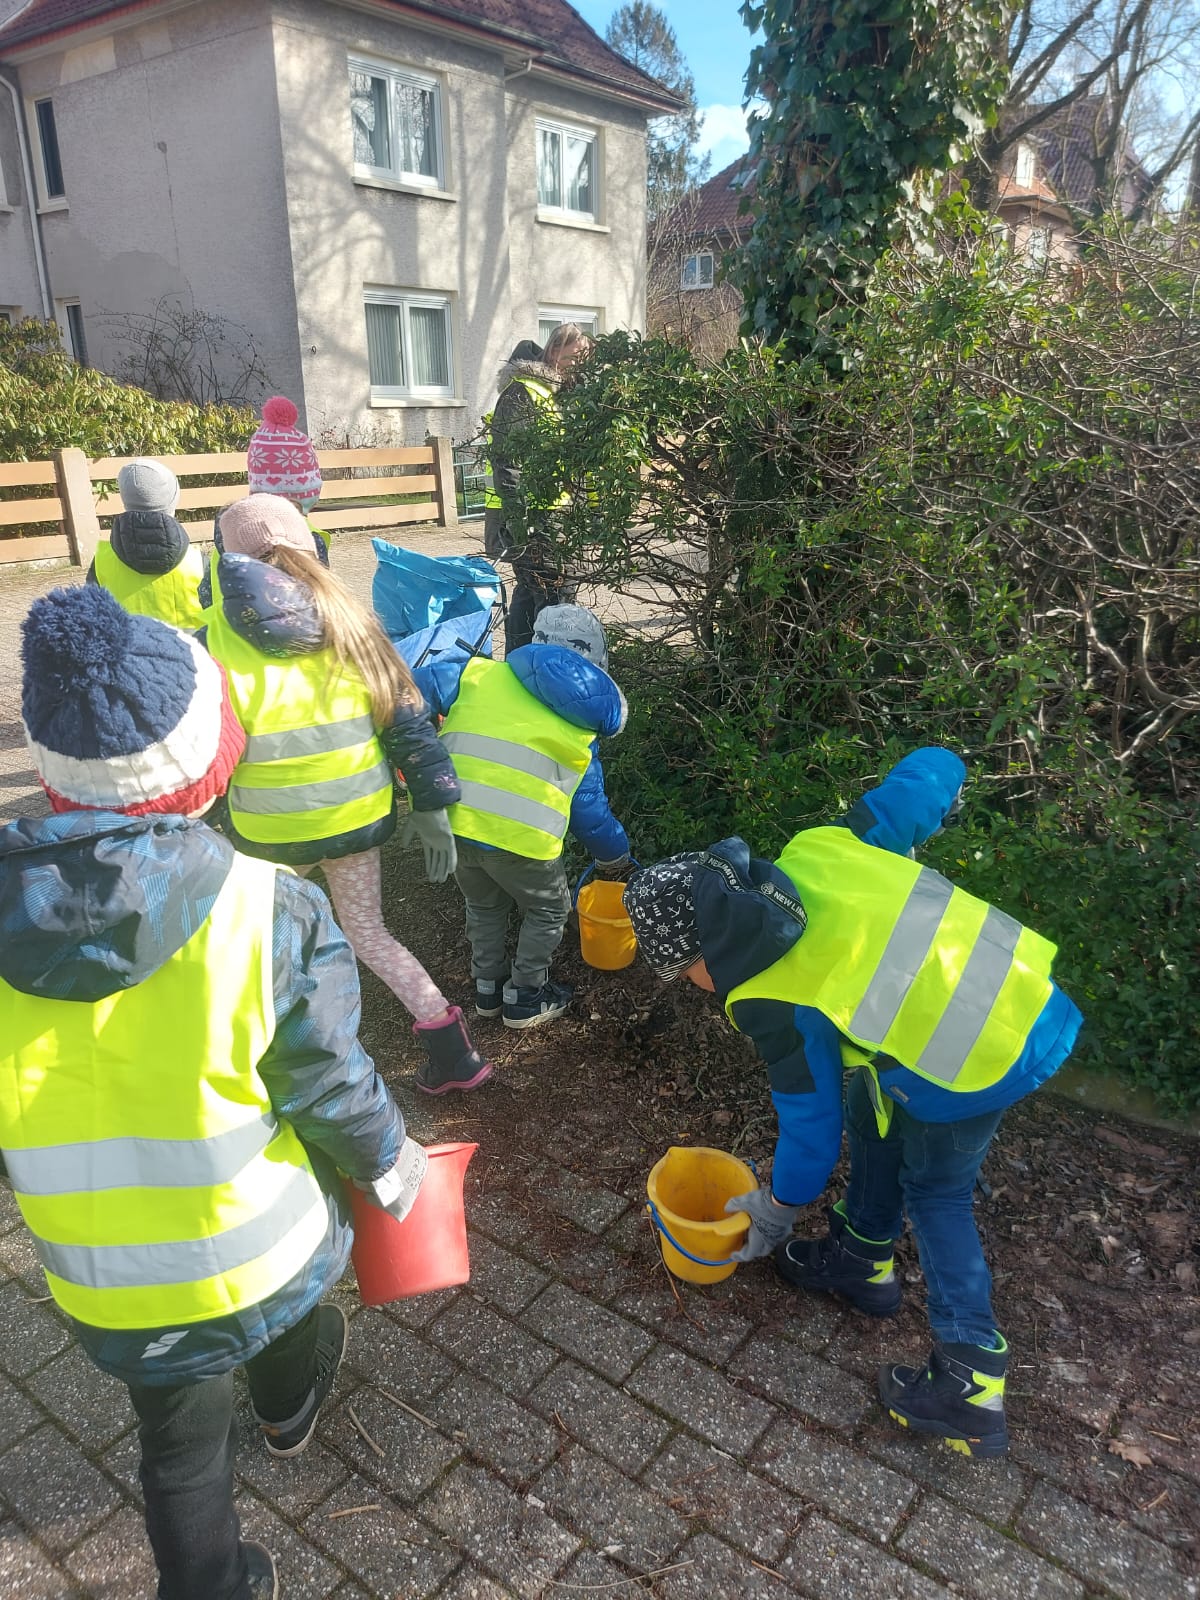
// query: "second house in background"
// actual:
[[378, 193]]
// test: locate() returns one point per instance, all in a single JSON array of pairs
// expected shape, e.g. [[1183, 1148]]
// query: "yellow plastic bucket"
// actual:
[[686, 1193], [606, 936]]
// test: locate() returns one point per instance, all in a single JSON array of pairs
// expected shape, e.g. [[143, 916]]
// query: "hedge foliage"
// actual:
[[48, 402], [985, 533]]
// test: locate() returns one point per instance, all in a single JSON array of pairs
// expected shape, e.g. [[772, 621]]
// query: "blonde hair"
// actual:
[[565, 337], [353, 634]]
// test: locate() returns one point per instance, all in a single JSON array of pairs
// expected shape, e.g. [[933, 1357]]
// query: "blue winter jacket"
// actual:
[[92, 903], [276, 614], [742, 933], [583, 695]]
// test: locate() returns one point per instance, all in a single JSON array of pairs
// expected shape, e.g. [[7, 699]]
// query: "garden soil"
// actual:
[[1091, 1225]]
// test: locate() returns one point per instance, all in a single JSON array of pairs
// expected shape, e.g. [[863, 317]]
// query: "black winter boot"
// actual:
[[959, 1397], [861, 1270], [453, 1061]]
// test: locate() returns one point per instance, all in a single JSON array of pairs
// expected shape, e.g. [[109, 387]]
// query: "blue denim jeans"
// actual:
[[928, 1170]]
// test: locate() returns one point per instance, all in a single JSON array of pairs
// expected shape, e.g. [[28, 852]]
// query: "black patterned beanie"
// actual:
[[660, 905]]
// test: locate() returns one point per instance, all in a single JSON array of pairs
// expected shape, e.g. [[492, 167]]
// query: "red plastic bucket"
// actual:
[[428, 1250]]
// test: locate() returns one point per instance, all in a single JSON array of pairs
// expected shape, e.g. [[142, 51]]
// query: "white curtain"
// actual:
[[385, 353], [579, 173], [368, 110], [418, 132], [549, 168], [430, 353]]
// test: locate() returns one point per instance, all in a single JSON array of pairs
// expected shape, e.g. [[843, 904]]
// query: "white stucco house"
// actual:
[[386, 194]]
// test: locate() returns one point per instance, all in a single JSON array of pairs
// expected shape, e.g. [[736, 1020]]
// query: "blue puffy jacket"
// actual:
[[742, 933], [583, 695], [277, 615], [92, 903]]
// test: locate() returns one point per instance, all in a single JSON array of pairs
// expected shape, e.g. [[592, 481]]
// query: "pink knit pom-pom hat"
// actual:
[[281, 459]]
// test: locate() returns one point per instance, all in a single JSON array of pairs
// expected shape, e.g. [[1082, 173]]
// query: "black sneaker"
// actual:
[[289, 1438], [860, 1270], [959, 1397], [489, 996], [260, 1569], [526, 1008]]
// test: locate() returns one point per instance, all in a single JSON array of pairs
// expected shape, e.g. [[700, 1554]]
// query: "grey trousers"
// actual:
[[492, 883]]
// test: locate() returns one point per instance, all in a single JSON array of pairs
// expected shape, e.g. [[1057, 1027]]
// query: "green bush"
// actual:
[[983, 534], [48, 402]]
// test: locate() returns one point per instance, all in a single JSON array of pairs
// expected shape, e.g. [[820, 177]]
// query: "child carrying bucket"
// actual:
[[523, 735]]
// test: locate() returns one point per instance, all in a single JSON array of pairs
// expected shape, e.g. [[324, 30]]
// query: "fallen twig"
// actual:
[[619, 1583], [362, 1432], [351, 1511], [404, 1406]]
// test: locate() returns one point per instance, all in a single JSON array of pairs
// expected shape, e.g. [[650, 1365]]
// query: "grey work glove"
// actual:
[[431, 829], [397, 1189], [770, 1223]]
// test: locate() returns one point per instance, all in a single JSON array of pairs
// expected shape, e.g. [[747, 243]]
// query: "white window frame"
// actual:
[[1038, 243], [396, 75], [697, 256], [574, 130], [62, 318], [589, 318], [1024, 166], [404, 300]]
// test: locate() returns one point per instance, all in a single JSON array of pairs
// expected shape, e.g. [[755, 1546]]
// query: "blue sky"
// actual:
[[716, 46]]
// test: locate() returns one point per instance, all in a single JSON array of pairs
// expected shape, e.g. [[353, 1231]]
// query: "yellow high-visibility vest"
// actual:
[[543, 396], [518, 763], [905, 964], [158, 1184], [313, 766], [172, 597]]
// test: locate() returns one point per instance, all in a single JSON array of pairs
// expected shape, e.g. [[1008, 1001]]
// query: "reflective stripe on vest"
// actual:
[[146, 1158], [313, 766], [516, 789], [544, 398], [172, 597], [904, 963]]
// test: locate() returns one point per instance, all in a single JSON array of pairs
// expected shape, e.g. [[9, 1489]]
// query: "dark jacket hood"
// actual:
[[151, 542], [748, 914], [528, 369], [272, 611], [92, 903]]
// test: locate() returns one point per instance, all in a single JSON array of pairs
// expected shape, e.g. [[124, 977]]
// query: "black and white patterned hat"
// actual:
[[660, 905]]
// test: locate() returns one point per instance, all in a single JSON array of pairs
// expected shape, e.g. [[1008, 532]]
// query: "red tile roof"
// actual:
[[551, 31], [713, 209]]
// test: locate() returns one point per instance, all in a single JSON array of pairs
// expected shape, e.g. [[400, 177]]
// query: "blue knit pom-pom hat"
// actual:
[[121, 712]]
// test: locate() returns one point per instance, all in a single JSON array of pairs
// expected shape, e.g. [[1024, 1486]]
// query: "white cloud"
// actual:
[[723, 134]]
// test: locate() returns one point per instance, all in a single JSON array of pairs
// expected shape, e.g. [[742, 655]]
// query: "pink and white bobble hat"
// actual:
[[280, 459]]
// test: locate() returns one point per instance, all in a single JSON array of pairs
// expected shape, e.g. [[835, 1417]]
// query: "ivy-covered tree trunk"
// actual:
[[867, 104]]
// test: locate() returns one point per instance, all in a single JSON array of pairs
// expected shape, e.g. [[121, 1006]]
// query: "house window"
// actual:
[[1023, 167], [1037, 246], [410, 349], [566, 170], [68, 315], [397, 118], [551, 317], [697, 271], [52, 175]]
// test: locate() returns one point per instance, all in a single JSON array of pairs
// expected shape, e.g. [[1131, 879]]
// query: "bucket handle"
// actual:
[[587, 873], [671, 1240]]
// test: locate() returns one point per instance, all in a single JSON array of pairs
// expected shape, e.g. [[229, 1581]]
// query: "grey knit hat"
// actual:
[[660, 904], [146, 485]]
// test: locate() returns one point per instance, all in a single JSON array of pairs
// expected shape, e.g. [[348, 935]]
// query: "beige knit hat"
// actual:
[[261, 523]]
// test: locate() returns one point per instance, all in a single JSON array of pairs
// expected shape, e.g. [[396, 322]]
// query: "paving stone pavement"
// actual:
[[554, 1429]]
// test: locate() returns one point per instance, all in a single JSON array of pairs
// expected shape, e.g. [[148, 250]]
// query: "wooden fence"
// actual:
[[72, 496]]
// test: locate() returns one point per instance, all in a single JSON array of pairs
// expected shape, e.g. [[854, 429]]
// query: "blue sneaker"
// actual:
[[958, 1397], [489, 996], [526, 1008]]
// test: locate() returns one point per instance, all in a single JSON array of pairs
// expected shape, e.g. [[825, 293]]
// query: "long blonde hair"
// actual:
[[353, 634]]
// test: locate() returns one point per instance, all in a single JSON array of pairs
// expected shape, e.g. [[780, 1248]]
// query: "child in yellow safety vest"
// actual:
[[844, 953], [181, 1080], [331, 713], [148, 563], [523, 733]]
